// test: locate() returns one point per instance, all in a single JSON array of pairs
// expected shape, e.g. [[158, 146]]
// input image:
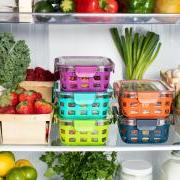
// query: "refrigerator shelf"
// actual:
[[119, 146], [59, 18]]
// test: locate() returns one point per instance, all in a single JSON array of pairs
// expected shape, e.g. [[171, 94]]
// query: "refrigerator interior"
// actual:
[[49, 41], [156, 158]]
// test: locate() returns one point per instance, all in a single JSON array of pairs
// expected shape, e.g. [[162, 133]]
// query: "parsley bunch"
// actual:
[[81, 165]]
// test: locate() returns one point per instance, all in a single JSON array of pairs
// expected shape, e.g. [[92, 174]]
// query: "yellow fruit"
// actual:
[[23, 162], [6, 163], [167, 6]]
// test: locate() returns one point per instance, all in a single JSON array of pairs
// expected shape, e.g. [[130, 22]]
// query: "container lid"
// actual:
[[72, 61], [137, 167], [143, 86]]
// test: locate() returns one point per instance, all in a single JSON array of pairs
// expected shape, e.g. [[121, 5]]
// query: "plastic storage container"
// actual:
[[136, 170], [84, 105], [144, 98], [143, 131], [90, 132], [170, 170], [84, 73]]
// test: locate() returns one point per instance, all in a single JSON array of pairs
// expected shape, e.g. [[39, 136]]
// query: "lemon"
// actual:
[[6, 163], [23, 162]]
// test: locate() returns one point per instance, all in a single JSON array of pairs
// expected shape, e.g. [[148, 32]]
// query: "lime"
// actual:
[[15, 174], [30, 173]]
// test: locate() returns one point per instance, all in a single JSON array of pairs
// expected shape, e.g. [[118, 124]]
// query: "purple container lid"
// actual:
[[72, 62]]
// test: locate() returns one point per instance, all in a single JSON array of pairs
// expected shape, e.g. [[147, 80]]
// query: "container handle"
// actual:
[[145, 124], [87, 126], [84, 98], [88, 71]]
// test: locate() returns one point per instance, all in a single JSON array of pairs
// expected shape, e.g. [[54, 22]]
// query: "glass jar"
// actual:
[[136, 170], [170, 170]]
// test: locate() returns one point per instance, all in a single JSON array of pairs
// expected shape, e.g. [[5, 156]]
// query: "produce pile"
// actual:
[[107, 6], [39, 74], [81, 165], [10, 169], [20, 101]]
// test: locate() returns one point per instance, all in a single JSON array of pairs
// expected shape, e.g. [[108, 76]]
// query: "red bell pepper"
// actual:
[[96, 6]]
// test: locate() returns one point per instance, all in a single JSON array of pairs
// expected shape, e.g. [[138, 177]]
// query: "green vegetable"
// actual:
[[67, 6], [43, 7], [14, 60], [138, 51], [177, 102], [81, 165], [141, 6]]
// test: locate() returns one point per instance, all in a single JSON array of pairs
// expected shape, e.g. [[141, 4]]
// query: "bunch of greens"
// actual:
[[81, 165], [138, 51], [14, 60]]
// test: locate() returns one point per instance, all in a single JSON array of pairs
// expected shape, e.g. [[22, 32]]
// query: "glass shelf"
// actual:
[[117, 145], [57, 18]]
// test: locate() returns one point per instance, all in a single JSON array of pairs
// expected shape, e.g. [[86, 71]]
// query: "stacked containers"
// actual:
[[145, 106], [83, 99]]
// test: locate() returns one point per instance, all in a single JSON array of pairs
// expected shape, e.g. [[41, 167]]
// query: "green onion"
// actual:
[[138, 51]]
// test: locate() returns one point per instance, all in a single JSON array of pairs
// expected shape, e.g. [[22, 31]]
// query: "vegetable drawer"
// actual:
[[90, 132], [84, 105], [83, 73], [144, 99], [143, 131]]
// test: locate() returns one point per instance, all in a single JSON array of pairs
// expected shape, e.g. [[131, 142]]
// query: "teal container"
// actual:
[[83, 105]]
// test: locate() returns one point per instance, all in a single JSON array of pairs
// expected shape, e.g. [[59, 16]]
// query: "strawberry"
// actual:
[[9, 99], [38, 96], [20, 90], [25, 107], [29, 96], [7, 110], [42, 107]]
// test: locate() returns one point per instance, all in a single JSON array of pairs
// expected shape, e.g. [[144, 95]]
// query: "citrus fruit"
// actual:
[[23, 162], [6, 163], [8, 153], [43, 7], [30, 173], [15, 174]]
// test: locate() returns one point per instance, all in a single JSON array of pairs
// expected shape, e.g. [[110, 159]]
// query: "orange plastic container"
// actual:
[[145, 99]]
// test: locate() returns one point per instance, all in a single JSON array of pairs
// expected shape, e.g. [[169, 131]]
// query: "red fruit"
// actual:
[[10, 110], [38, 96], [20, 90], [25, 107], [29, 96], [9, 99], [42, 107]]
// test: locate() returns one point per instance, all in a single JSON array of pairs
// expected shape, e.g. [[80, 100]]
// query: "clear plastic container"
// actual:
[[170, 170], [83, 73], [136, 170], [144, 98]]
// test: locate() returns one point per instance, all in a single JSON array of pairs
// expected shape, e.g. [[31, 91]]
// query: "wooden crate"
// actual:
[[45, 88], [25, 129]]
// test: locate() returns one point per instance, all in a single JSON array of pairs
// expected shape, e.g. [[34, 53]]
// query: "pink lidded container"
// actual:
[[83, 73]]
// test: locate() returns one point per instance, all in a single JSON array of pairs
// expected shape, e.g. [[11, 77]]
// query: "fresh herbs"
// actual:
[[14, 60], [138, 51], [81, 165]]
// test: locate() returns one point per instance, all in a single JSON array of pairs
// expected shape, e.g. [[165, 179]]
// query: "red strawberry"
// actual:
[[20, 90], [25, 107], [42, 107], [9, 99], [10, 110], [7, 110], [29, 96], [38, 96]]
